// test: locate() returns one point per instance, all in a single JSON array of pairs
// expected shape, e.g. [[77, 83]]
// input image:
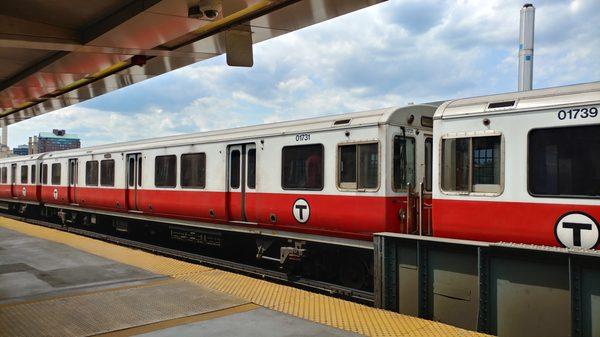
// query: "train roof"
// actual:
[[392, 115], [521, 101]]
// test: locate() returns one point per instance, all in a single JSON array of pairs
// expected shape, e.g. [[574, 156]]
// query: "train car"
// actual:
[[331, 180], [520, 167]]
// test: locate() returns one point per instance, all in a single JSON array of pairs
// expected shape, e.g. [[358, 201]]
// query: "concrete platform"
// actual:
[[50, 289], [54, 283]]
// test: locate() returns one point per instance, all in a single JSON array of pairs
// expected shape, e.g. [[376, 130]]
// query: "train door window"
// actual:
[[139, 168], [91, 173], [234, 177], [251, 170], [131, 175], [24, 170], [428, 164], [472, 164], [193, 170], [56, 174], [13, 173], [72, 171], [33, 177], [564, 162], [107, 172], [4, 175], [45, 174], [302, 167], [358, 166], [165, 171], [403, 162]]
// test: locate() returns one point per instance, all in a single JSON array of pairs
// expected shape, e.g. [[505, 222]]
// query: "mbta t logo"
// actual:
[[301, 210], [577, 230]]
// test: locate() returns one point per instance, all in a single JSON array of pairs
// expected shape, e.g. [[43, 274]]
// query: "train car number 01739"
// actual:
[[578, 113], [303, 137]]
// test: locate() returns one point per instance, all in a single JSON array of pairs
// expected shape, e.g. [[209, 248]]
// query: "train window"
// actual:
[[472, 164], [56, 174], [91, 173], [72, 171], [302, 167], [361, 173], [404, 162], [486, 164], [4, 175], [251, 171], [234, 175], [33, 174], [45, 174], [455, 164], [193, 170], [13, 173], [428, 164], [24, 170], [564, 162], [107, 172], [165, 171]]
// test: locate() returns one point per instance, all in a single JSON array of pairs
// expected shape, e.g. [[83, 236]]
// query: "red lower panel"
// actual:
[[502, 221]]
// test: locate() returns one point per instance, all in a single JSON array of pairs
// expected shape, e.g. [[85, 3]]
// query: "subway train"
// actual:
[[518, 167]]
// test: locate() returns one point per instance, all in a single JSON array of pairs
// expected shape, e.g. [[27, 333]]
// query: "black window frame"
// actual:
[[4, 175], [251, 169], [174, 185], [203, 171], [322, 148], [110, 178], [529, 166], [52, 175], [88, 165]]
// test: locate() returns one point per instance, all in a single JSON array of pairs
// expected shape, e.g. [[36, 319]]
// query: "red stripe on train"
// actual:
[[502, 221]]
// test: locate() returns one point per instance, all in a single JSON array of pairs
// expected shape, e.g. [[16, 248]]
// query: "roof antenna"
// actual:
[[526, 33]]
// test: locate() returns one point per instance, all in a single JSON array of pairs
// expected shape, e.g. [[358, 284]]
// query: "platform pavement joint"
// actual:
[[314, 307]]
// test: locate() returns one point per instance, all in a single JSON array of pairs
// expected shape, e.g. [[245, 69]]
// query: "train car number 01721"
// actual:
[[303, 137], [578, 113]]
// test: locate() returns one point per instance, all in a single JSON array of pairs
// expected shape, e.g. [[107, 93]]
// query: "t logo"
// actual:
[[577, 230], [301, 210]]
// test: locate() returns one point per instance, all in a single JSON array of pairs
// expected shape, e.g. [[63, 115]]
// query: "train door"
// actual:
[[13, 180], [72, 183], [241, 182], [425, 187], [134, 180]]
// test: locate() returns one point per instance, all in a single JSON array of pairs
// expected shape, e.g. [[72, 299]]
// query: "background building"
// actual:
[[57, 140], [21, 150]]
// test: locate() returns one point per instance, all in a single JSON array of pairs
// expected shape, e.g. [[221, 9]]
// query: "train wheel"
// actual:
[[353, 272]]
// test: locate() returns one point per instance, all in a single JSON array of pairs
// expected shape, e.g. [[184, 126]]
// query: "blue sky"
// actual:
[[389, 54]]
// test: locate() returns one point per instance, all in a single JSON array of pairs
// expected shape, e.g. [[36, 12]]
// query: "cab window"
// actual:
[[403, 162]]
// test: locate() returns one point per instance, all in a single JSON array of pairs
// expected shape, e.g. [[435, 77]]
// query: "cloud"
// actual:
[[389, 54]]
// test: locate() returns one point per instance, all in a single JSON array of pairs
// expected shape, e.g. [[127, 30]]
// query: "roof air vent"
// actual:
[[341, 121], [501, 105]]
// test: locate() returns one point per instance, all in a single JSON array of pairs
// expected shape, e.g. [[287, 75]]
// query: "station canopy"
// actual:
[[54, 53]]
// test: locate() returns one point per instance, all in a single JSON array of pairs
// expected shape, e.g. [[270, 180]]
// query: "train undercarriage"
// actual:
[[350, 267]]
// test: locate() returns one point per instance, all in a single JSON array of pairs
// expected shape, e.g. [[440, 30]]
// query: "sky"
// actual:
[[390, 54]]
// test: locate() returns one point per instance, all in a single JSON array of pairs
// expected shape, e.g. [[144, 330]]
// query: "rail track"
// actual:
[[331, 289]]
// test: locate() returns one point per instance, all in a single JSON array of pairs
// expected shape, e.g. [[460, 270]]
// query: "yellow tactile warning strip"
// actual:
[[314, 307]]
